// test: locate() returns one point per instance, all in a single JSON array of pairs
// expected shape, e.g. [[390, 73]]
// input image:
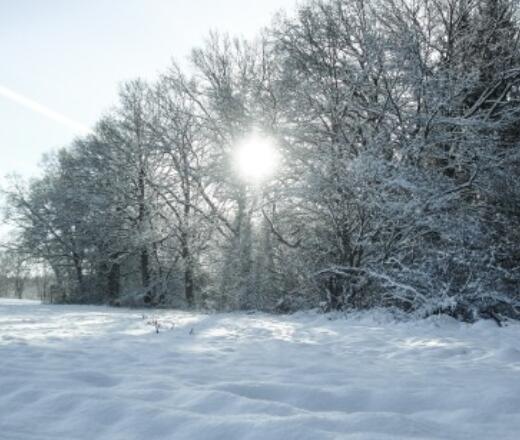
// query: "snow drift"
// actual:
[[84, 372]]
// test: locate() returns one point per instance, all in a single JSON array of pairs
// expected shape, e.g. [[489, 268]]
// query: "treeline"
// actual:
[[19, 279], [13, 275], [398, 129]]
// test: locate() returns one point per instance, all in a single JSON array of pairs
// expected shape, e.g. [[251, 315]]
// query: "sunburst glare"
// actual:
[[256, 158]]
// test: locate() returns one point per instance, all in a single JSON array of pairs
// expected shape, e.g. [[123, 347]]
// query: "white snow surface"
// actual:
[[84, 372]]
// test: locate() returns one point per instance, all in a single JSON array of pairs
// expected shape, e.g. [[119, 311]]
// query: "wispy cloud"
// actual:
[[43, 110]]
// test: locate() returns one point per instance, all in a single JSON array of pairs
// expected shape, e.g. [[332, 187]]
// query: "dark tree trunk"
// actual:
[[19, 287], [144, 257], [79, 273], [145, 268], [114, 284], [188, 275]]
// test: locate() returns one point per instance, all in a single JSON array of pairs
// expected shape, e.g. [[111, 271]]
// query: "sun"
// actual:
[[256, 158]]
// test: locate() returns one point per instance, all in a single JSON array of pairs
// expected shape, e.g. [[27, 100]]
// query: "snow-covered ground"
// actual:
[[71, 372]]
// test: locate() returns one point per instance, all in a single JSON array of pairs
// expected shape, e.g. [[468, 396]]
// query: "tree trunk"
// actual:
[[145, 268], [114, 284], [79, 273], [145, 259], [188, 273]]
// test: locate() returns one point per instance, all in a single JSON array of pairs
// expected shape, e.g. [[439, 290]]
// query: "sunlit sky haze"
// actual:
[[63, 60]]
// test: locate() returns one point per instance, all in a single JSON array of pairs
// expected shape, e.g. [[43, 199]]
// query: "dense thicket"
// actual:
[[398, 128]]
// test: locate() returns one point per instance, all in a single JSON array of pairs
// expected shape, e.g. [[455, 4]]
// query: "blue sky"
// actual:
[[69, 56]]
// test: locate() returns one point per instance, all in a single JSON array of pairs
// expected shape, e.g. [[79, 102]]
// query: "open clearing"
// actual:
[[84, 372]]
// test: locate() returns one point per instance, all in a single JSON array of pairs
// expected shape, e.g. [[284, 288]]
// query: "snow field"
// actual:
[[84, 372]]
